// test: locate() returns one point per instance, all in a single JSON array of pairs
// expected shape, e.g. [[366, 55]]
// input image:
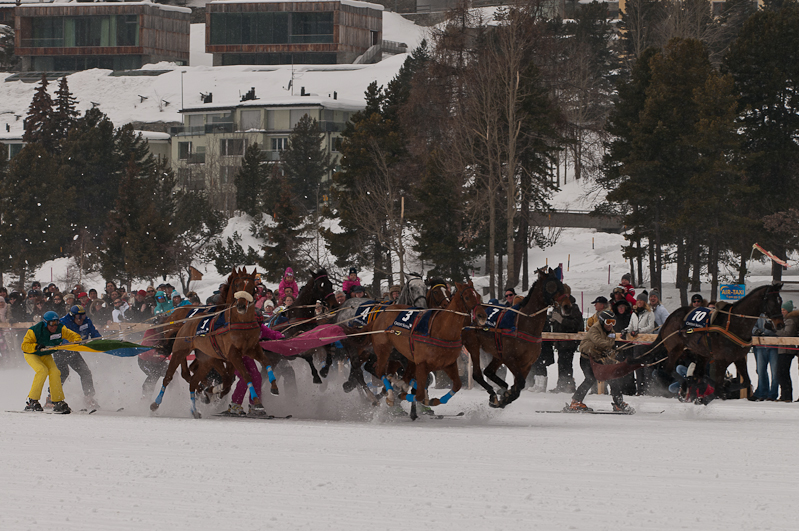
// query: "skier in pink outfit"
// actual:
[[235, 407], [351, 282], [287, 282]]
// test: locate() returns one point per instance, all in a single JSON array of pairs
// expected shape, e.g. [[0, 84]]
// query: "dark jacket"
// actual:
[[86, 330]]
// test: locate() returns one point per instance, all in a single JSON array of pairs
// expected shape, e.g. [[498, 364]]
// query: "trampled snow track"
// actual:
[[730, 465]]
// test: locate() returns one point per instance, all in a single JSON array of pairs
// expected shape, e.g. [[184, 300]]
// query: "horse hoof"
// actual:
[[196, 414], [323, 372], [153, 406], [348, 387], [317, 380], [274, 390]]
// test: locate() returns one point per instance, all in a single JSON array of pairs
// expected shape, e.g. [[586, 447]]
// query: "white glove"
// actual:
[[612, 335]]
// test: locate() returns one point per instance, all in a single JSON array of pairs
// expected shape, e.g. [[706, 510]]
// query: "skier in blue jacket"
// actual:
[[77, 321]]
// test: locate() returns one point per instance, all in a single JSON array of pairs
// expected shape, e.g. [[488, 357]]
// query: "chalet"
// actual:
[[272, 32], [110, 35]]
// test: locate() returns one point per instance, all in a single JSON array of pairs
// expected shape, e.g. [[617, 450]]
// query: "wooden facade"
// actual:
[[356, 27], [163, 31]]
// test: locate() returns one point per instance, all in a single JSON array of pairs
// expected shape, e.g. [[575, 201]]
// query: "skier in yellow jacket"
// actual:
[[38, 339]]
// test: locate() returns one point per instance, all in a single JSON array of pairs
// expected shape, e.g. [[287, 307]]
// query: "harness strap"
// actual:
[[723, 331]]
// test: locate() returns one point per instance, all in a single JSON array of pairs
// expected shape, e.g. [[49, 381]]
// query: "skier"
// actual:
[[598, 345], [77, 321], [50, 332]]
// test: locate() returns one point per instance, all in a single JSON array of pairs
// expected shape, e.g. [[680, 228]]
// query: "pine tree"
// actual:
[[284, 235], [40, 126], [34, 202], [306, 162], [251, 180], [763, 64], [65, 112]]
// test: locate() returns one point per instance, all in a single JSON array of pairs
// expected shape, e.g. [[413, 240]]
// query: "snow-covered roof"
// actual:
[[89, 5], [353, 3], [153, 135]]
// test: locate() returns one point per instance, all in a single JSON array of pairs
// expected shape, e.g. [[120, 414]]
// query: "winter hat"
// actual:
[[627, 277], [353, 271], [141, 293], [358, 289], [289, 271], [601, 299], [642, 297], [654, 293], [697, 297], [787, 306], [269, 303]]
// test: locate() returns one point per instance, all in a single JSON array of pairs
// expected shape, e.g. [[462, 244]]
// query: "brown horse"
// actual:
[[438, 350], [518, 347], [727, 340], [239, 336]]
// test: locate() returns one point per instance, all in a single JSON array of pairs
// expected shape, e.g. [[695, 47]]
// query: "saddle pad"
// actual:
[[364, 314], [406, 318], [493, 315], [698, 318], [423, 326], [205, 324], [508, 321]]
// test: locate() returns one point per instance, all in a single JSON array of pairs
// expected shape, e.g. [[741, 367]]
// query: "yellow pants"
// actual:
[[44, 367]]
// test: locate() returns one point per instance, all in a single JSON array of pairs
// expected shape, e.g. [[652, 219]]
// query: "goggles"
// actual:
[[611, 322], [54, 322], [162, 298]]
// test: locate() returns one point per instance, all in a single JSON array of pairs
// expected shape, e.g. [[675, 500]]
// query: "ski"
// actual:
[[45, 412], [455, 416], [254, 417]]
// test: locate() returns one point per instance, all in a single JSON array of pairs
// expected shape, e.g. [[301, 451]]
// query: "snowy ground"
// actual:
[[341, 465]]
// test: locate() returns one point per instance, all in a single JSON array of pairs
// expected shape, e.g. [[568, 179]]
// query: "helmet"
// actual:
[[50, 316], [77, 310], [697, 297], [605, 316]]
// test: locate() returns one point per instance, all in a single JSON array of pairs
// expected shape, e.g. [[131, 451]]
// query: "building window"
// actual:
[[337, 141], [86, 31], [250, 120], [184, 177], [271, 28], [279, 144], [232, 147], [227, 174], [296, 115], [184, 150]]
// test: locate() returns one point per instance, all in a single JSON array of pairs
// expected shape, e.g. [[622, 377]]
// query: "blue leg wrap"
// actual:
[[387, 384], [193, 402], [413, 383], [253, 394], [410, 397], [444, 399], [270, 373], [160, 396]]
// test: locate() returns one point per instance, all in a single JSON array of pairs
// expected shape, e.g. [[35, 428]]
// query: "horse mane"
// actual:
[[759, 291], [435, 281]]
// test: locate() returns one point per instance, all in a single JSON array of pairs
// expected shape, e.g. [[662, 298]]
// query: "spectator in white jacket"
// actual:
[[642, 321]]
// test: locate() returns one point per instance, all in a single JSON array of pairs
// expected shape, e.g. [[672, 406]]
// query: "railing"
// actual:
[[394, 47], [187, 130], [369, 56], [54, 42], [271, 155], [196, 158]]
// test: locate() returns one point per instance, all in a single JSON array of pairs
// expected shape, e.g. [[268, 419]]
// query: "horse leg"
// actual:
[[382, 350], [452, 372], [323, 372], [314, 373], [199, 375], [743, 371], [491, 372], [259, 356], [473, 347], [177, 358]]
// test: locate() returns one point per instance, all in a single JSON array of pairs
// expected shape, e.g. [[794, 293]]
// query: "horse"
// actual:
[[414, 294], [727, 338], [302, 317], [239, 336], [518, 347], [435, 351]]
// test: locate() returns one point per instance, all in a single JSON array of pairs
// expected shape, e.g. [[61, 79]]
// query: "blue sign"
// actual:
[[732, 292]]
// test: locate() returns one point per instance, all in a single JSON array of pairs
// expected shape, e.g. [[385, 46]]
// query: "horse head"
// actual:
[[414, 292], [771, 305], [240, 289], [470, 299], [438, 295], [322, 288], [553, 292]]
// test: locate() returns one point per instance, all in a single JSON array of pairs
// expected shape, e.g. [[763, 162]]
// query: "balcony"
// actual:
[[196, 158], [207, 129]]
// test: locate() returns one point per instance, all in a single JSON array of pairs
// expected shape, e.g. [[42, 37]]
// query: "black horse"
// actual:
[[726, 340]]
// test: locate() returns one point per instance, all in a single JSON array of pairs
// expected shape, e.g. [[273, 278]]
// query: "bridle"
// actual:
[[331, 294]]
